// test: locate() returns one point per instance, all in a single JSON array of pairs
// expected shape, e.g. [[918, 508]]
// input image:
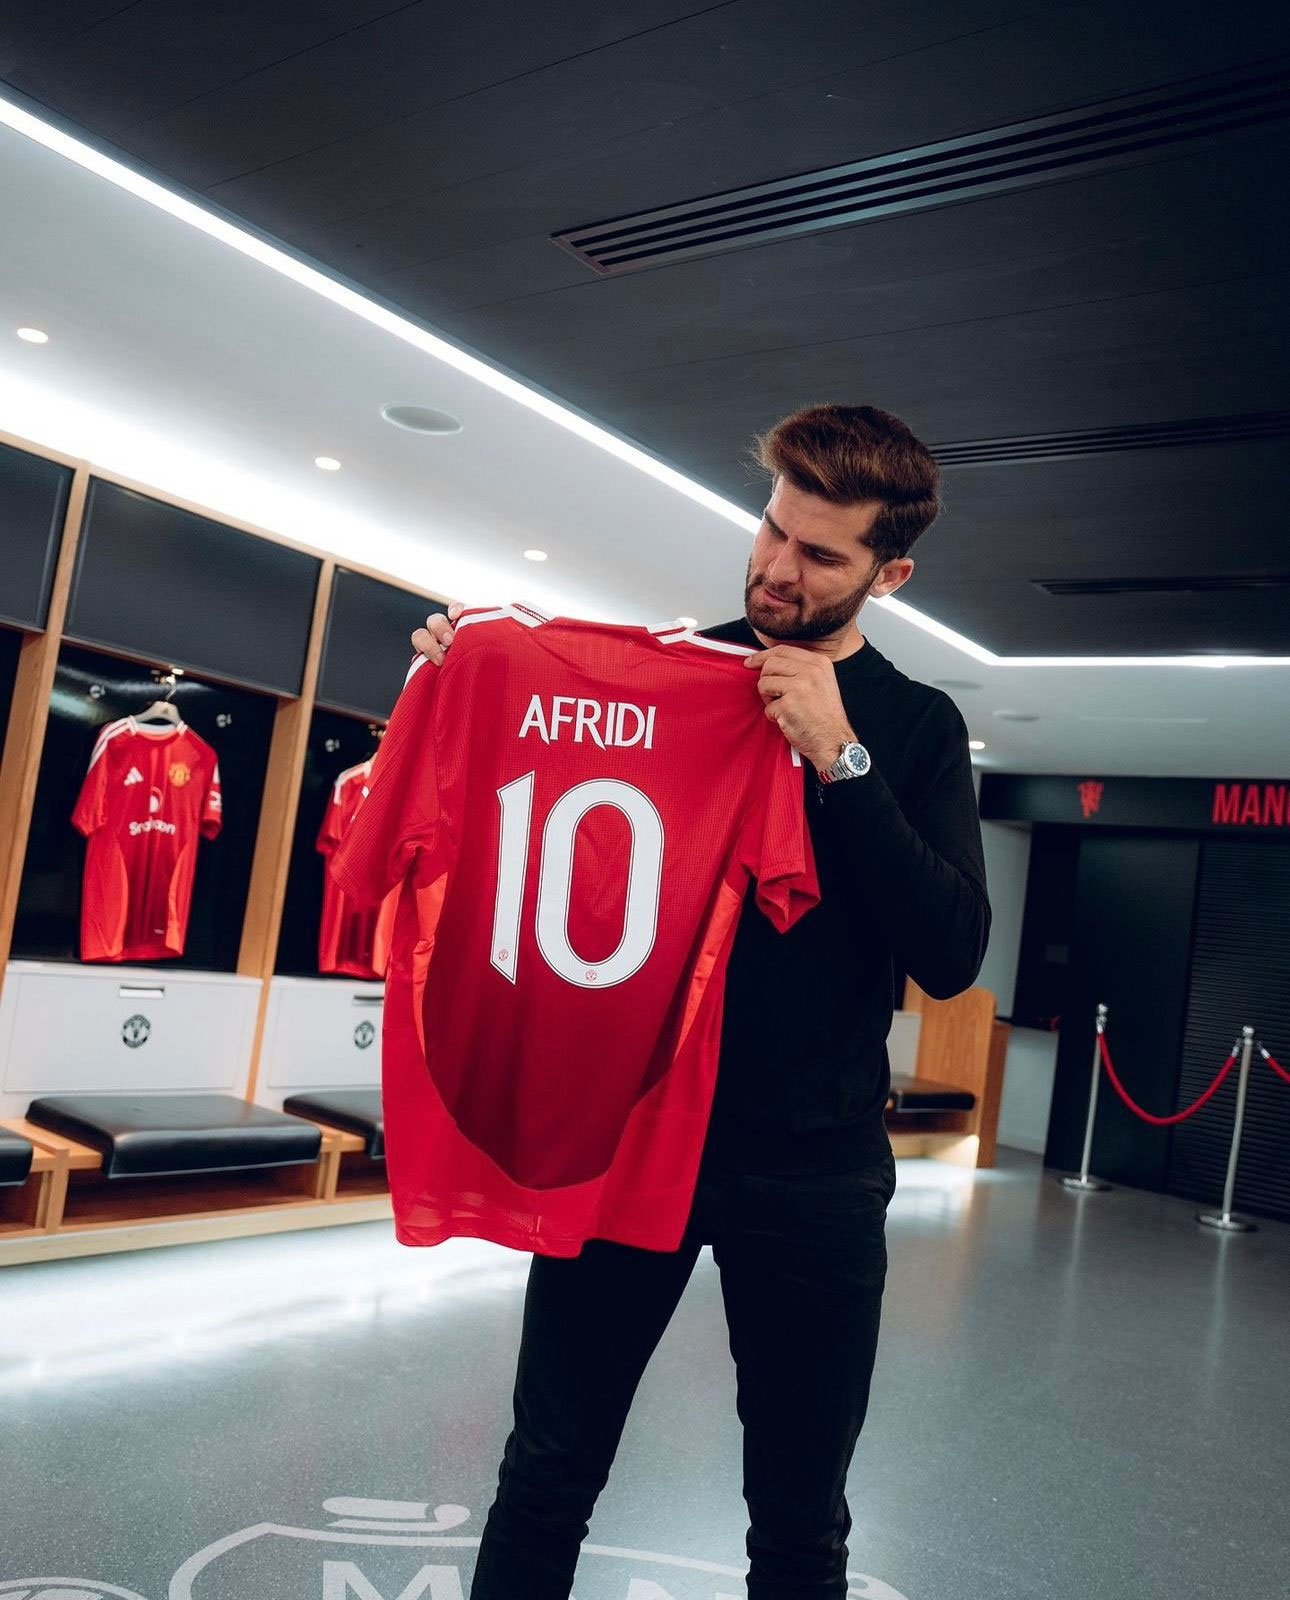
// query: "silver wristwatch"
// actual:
[[854, 762]]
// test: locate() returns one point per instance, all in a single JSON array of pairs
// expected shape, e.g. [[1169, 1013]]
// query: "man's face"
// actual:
[[809, 571]]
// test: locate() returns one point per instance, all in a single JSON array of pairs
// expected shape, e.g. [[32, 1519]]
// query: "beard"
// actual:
[[793, 621]]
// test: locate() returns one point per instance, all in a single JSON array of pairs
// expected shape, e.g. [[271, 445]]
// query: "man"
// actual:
[[797, 1170]]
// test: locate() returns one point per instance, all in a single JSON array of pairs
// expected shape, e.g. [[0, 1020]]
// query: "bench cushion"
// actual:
[[922, 1094], [356, 1110], [16, 1155], [164, 1135]]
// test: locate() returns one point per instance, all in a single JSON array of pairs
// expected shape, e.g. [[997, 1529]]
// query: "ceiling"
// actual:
[[1097, 350]]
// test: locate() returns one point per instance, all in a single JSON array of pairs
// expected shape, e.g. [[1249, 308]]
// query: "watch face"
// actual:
[[857, 758]]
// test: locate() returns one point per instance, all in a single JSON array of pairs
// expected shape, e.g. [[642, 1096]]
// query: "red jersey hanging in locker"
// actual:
[[149, 794], [353, 939], [575, 811]]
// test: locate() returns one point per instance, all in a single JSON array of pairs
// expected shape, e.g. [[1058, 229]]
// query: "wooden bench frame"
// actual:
[[63, 1211], [960, 1042], [356, 1175], [26, 1208]]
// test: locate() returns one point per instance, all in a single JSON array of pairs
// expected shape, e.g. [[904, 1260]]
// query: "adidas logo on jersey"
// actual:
[[618, 723], [133, 776]]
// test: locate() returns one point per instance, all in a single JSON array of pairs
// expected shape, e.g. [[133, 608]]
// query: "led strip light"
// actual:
[[280, 261]]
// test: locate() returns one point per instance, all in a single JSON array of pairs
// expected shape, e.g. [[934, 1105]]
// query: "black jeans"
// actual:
[[803, 1263]]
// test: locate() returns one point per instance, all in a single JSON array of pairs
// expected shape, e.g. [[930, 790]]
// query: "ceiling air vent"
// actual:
[[1099, 441], [1108, 133], [1233, 583]]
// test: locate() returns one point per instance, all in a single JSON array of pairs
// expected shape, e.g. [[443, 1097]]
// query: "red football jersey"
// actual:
[[147, 796], [574, 811], [352, 938]]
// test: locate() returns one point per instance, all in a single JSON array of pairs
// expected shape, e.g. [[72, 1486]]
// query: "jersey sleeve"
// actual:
[[401, 812], [781, 857], [213, 807], [90, 812], [329, 834]]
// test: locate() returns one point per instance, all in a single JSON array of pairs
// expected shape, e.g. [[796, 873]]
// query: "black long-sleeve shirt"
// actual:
[[803, 1075]]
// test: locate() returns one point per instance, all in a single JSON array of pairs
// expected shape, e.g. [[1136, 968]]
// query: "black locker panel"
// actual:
[[10, 646], [1240, 974], [366, 654], [174, 587], [1130, 948], [33, 503]]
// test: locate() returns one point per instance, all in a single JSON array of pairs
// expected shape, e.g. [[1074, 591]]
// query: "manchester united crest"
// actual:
[[403, 1550], [180, 774]]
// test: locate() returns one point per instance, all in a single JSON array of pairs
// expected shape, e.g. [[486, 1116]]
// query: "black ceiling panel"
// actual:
[[784, 309], [431, 150], [1215, 511], [1123, 131]]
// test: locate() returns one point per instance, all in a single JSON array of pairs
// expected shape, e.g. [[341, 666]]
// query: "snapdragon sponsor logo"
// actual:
[[403, 1550], [152, 825]]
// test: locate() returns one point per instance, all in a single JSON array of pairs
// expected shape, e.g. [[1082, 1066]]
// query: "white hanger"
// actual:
[[166, 710]]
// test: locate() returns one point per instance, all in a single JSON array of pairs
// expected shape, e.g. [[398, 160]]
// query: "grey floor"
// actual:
[[1075, 1397]]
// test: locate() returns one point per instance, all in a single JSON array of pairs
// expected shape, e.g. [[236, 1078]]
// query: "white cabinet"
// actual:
[[68, 1029], [320, 1033], [902, 1041]]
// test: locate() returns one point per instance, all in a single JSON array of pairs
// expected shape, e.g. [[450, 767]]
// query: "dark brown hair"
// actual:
[[846, 454]]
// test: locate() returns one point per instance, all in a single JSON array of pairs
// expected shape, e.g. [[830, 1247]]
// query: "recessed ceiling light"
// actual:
[[688, 622], [327, 463], [421, 419], [33, 335], [976, 744], [535, 555]]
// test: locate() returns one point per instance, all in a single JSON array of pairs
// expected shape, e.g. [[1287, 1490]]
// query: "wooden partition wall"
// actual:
[[29, 716]]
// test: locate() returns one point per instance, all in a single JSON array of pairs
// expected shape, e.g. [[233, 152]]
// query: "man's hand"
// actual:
[[800, 689], [432, 640]]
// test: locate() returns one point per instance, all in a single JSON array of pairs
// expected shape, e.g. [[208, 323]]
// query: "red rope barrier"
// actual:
[[1180, 1116], [1275, 1065]]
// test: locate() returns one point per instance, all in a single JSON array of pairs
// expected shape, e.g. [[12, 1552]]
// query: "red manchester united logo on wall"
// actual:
[[1090, 798]]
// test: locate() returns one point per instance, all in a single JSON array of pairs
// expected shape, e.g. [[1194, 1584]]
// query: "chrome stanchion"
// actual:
[[1224, 1221], [1083, 1182]]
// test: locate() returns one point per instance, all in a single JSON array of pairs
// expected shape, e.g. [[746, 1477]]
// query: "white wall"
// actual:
[[1028, 1089], [1007, 860], [1032, 1054]]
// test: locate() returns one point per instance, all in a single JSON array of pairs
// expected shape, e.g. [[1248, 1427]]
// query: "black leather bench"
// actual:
[[920, 1094], [355, 1110], [16, 1154], [169, 1135]]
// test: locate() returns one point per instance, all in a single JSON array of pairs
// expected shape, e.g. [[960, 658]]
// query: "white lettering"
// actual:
[[533, 719], [588, 712], [619, 723], [558, 716], [152, 825], [624, 711], [342, 1577]]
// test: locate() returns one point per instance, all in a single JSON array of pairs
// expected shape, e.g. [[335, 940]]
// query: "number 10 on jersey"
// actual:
[[555, 880]]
